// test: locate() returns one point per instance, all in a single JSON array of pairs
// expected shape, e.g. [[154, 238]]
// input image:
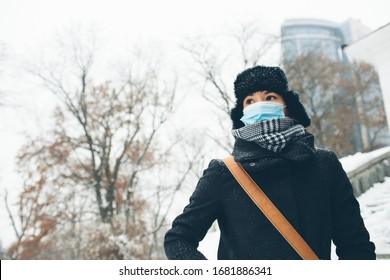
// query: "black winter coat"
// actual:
[[308, 185]]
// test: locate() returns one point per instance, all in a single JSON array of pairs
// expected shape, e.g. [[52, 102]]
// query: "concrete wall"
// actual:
[[366, 175]]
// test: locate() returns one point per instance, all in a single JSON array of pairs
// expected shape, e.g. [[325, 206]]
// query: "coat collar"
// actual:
[[299, 150]]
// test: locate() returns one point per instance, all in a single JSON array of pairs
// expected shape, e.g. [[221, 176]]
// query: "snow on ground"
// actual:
[[209, 245], [374, 207]]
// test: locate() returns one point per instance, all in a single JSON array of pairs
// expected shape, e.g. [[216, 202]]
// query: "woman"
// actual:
[[308, 185]]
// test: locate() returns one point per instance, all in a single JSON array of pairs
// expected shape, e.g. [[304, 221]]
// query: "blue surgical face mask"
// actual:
[[261, 111]]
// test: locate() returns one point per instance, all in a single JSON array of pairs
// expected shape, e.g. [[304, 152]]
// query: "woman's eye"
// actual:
[[249, 101], [270, 97]]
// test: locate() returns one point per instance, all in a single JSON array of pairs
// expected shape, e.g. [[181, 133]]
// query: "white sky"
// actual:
[[26, 21]]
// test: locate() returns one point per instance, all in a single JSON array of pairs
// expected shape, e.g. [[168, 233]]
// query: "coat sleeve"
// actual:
[[350, 235], [190, 227]]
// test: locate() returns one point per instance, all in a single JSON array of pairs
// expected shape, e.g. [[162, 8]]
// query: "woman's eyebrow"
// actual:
[[262, 92]]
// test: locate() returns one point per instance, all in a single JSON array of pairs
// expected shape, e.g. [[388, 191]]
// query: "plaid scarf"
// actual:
[[273, 134]]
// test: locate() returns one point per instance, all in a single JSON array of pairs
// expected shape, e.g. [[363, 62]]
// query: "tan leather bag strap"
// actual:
[[270, 210]]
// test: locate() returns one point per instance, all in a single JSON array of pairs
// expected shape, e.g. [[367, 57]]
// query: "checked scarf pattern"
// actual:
[[273, 134]]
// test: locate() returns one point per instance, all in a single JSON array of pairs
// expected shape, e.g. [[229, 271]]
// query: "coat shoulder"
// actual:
[[215, 174], [328, 161], [325, 154], [216, 165], [323, 151]]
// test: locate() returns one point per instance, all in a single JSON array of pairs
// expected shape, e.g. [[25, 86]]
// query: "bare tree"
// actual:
[[343, 101], [34, 223], [253, 42], [318, 79], [191, 151], [364, 86], [217, 65], [96, 164]]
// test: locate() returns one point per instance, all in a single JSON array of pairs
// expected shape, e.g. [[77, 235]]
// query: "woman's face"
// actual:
[[264, 96]]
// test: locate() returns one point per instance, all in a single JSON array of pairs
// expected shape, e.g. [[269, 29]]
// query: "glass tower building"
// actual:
[[300, 36]]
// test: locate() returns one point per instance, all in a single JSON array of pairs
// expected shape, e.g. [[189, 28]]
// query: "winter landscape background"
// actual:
[[146, 82]]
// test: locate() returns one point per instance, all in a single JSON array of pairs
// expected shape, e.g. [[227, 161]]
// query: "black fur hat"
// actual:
[[266, 78]]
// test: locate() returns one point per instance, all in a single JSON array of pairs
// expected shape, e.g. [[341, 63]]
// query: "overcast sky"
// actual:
[[28, 21]]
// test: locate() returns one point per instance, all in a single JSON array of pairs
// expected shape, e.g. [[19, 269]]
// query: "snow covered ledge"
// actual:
[[364, 170]]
